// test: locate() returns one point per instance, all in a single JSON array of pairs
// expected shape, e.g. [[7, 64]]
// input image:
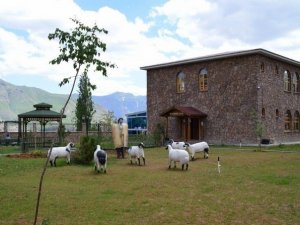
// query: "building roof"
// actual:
[[223, 56], [181, 111], [136, 113], [42, 111], [42, 105], [40, 114]]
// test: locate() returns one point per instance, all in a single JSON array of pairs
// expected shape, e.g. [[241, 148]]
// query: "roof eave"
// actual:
[[222, 56]]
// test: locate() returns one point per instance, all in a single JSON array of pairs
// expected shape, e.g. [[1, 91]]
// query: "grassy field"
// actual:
[[253, 188]]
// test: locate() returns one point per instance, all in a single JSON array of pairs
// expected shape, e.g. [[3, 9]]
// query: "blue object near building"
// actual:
[[137, 122]]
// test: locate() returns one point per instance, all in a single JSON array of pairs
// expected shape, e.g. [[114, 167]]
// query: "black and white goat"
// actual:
[[100, 158], [198, 147], [137, 152], [60, 152]]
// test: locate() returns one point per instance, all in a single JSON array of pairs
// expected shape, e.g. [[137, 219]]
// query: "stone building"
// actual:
[[224, 98]]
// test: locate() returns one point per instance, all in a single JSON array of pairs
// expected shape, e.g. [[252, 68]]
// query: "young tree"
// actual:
[[108, 118], [82, 48], [84, 105]]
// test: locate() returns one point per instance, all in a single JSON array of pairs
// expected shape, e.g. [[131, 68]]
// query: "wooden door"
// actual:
[[194, 129], [184, 133]]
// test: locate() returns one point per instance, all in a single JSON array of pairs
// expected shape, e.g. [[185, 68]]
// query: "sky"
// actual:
[[140, 33]]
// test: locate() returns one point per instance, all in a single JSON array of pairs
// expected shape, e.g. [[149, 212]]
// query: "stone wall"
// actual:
[[272, 97], [231, 102]]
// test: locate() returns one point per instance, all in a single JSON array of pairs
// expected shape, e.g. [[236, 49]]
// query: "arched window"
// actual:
[[263, 112], [296, 121], [180, 86], [287, 80], [288, 120], [203, 80], [296, 83]]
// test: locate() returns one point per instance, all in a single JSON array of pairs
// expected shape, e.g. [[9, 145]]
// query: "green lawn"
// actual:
[[253, 188], [9, 149]]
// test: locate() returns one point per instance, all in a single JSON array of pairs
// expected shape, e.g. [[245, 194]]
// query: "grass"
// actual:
[[9, 149], [253, 188]]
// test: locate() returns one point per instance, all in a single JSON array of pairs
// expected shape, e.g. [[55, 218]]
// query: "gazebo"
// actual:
[[42, 114]]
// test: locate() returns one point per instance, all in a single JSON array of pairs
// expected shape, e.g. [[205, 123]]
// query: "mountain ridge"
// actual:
[[16, 99]]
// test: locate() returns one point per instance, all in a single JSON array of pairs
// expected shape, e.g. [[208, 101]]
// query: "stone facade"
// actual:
[[240, 86]]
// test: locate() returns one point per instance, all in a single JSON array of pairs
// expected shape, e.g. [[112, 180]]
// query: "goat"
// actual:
[[59, 152], [198, 147], [100, 158], [178, 155], [177, 144], [137, 152]]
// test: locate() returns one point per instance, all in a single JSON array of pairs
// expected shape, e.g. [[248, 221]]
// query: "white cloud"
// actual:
[[217, 26], [175, 30]]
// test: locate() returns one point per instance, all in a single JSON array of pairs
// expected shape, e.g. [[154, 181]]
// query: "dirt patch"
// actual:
[[26, 155]]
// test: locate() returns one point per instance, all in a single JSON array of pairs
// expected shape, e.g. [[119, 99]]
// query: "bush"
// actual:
[[85, 153], [159, 134], [39, 154]]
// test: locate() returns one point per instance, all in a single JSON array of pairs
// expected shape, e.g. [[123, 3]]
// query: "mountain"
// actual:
[[15, 100], [121, 103]]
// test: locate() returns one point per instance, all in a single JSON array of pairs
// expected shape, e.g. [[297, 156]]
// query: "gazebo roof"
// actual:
[[42, 105], [42, 111], [181, 111]]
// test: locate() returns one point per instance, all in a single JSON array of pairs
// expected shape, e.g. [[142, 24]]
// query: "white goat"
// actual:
[[198, 147], [100, 158], [137, 152], [177, 144], [178, 155], [59, 152]]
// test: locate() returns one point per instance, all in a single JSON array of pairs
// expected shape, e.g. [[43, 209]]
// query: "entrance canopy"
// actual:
[[191, 121], [42, 114], [183, 111]]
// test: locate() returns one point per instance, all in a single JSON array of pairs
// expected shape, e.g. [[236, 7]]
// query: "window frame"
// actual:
[[180, 82], [203, 80], [296, 83], [288, 121], [296, 124], [287, 79]]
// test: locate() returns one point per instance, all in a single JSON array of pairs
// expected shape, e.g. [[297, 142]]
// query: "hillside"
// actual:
[[19, 99], [122, 103]]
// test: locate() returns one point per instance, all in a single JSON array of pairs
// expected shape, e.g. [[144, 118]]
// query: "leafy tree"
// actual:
[[82, 48], [108, 118], [84, 105]]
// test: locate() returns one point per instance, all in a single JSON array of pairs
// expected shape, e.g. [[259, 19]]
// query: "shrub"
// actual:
[[85, 153], [39, 154], [159, 134]]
